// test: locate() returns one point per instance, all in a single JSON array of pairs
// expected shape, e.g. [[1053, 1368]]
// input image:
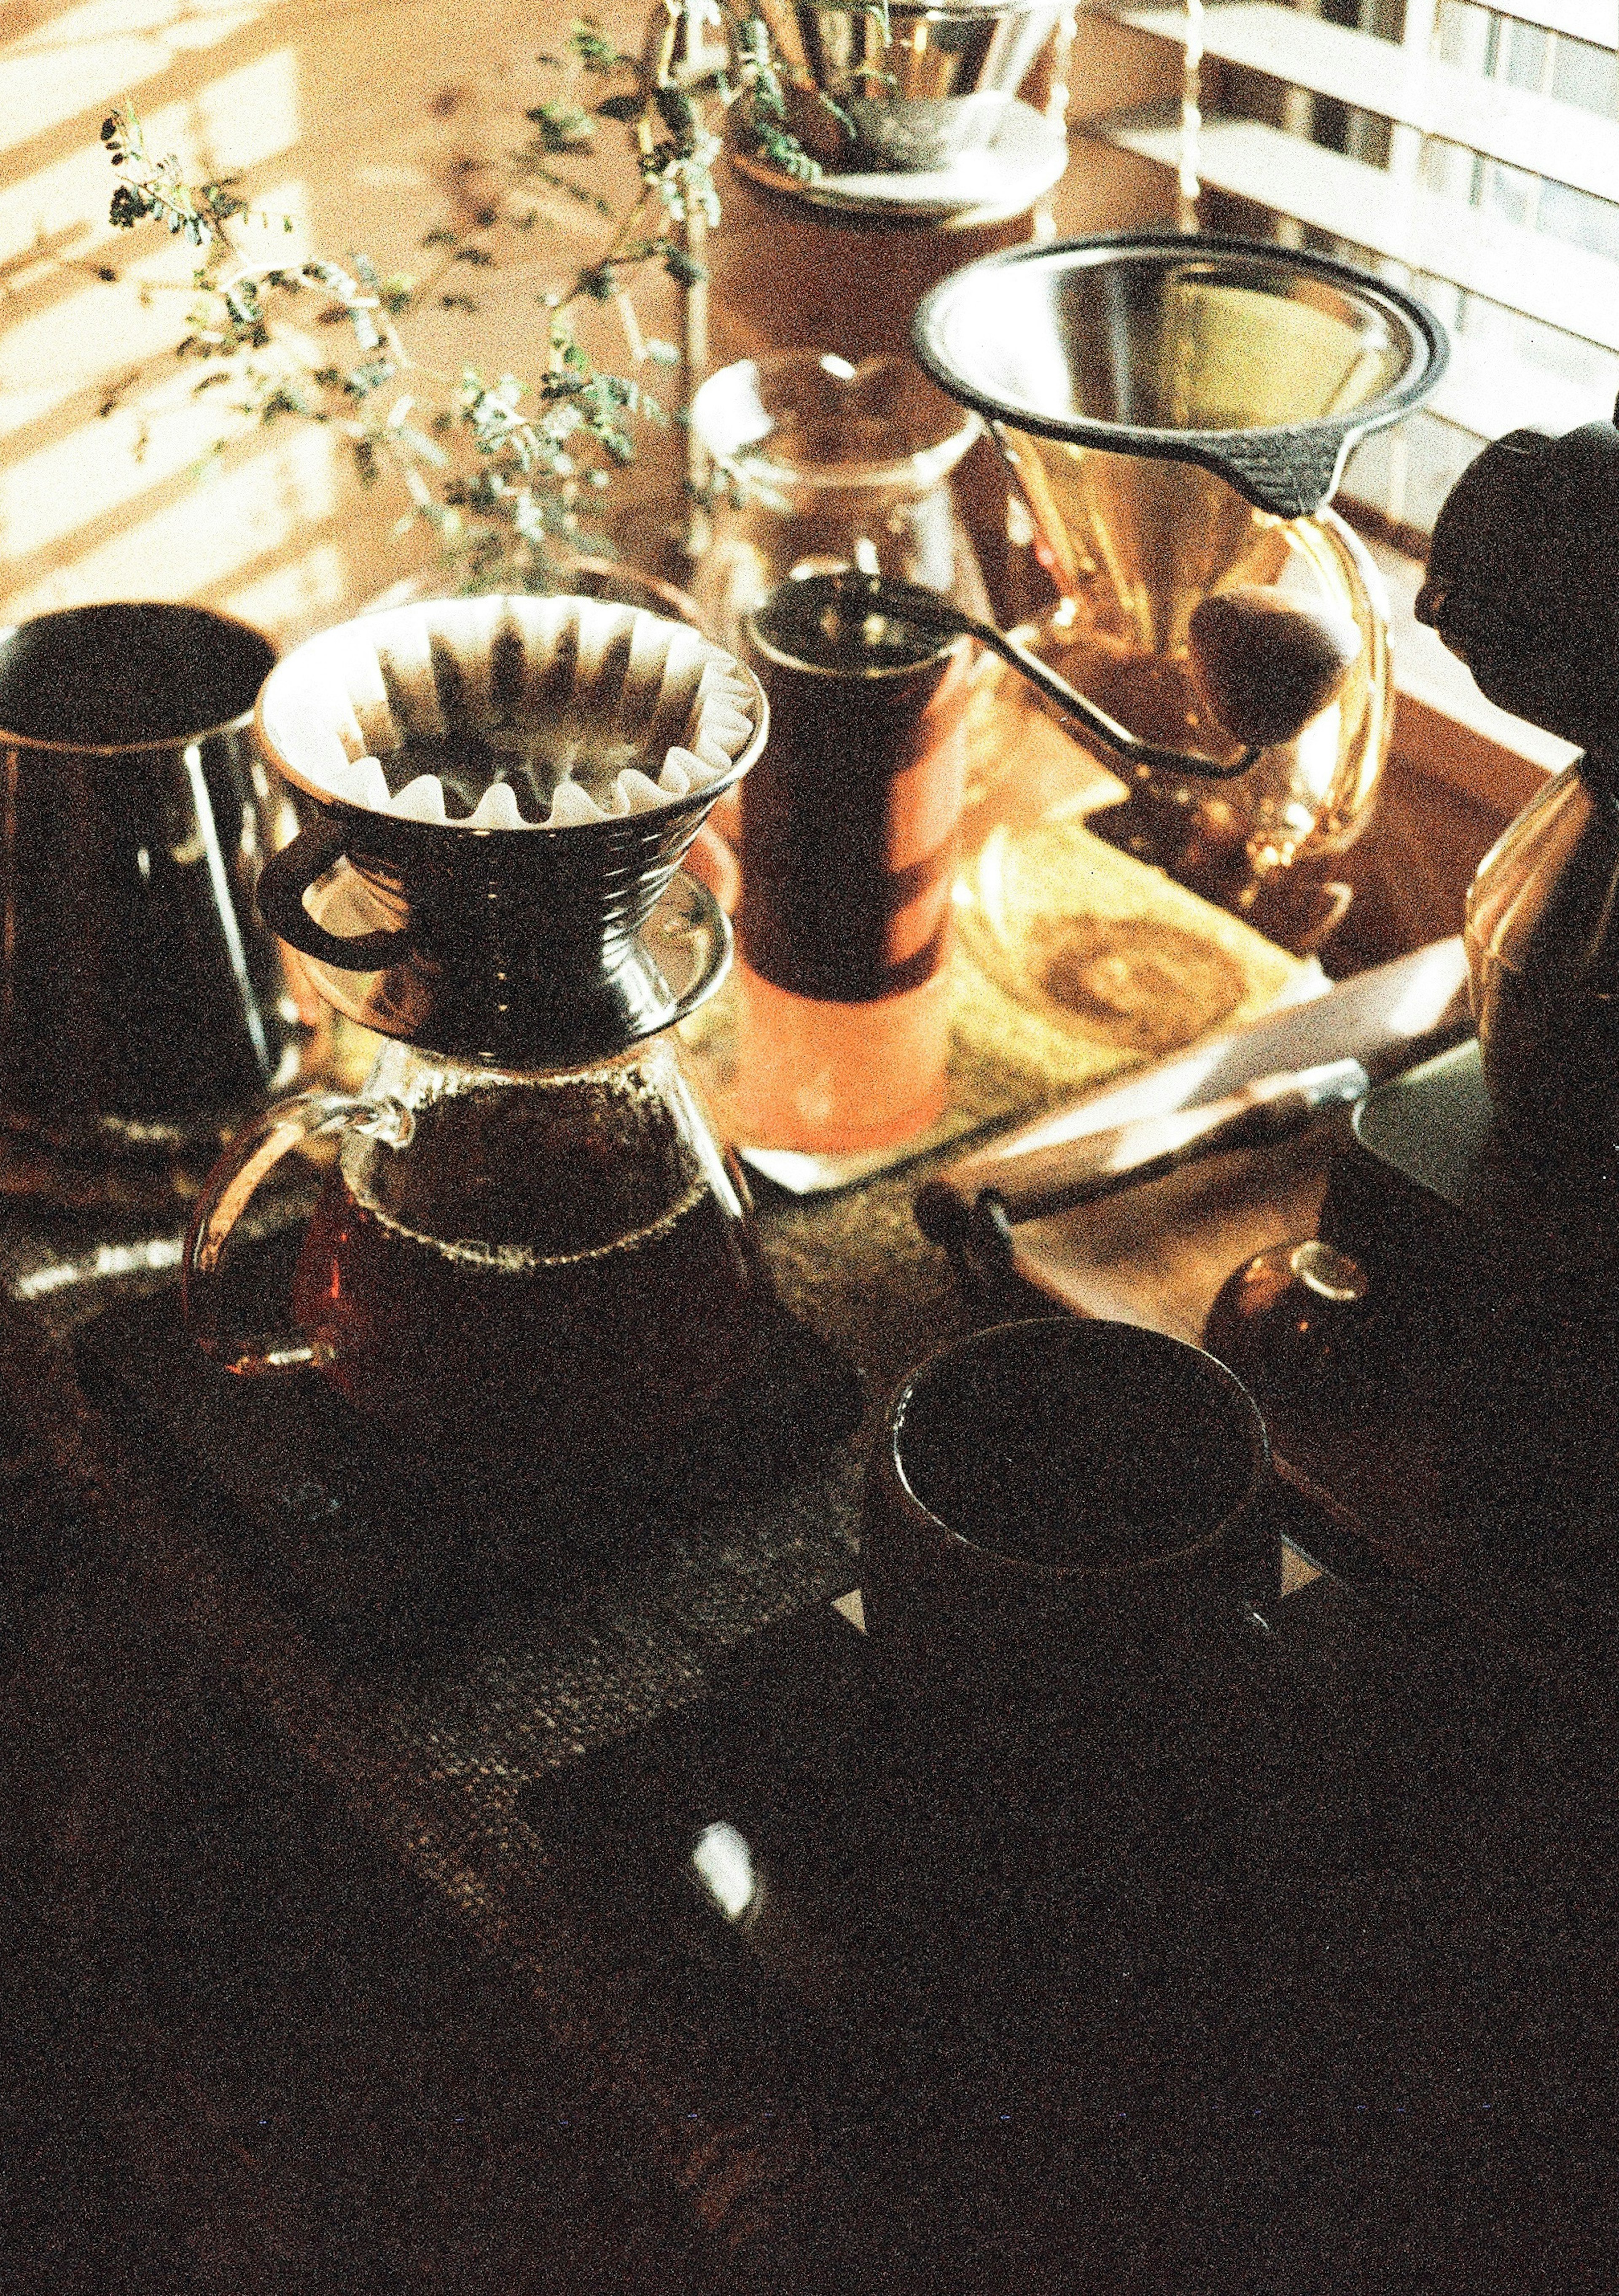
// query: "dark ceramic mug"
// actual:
[[142, 1003], [1068, 1519]]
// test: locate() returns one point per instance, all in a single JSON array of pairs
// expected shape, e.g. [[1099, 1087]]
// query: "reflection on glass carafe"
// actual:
[[846, 830]]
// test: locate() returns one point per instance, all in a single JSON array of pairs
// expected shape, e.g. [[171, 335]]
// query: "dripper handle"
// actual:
[[254, 1152], [287, 876]]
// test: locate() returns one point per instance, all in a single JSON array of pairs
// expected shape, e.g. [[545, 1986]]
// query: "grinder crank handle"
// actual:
[[1146, 757], [255, 1150], [1265, 665]]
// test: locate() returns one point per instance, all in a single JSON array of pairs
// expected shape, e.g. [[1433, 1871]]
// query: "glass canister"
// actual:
[[820, 464], [846, 833]]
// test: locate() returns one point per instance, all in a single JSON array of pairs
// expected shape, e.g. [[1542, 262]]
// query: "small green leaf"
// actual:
[[675, 109], [563, 126], [590, 46]]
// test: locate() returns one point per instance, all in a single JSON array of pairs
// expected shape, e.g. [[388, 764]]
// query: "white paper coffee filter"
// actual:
[[510, 713]]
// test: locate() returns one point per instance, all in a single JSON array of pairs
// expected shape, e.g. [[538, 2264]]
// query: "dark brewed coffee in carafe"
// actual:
[[559, 1262]]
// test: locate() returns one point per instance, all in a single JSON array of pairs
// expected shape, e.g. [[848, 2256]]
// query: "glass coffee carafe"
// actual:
[[1177, 412], [531, 1242]]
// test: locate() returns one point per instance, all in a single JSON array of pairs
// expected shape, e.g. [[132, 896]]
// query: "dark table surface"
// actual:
[[360, 1959]]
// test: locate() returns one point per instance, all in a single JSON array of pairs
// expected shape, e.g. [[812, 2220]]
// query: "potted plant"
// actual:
[[507, 472]]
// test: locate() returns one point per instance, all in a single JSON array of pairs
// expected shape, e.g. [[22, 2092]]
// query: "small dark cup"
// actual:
[[1067, 1522]]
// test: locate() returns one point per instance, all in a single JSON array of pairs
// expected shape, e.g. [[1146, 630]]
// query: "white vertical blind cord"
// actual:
[[1191, 116]]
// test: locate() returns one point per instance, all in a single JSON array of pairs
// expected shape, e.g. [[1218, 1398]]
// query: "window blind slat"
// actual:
[[1489, 392], [1529, 272], [1594, 21], [1523, 129]]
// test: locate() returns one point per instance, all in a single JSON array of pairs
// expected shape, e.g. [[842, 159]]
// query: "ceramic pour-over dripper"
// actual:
[[531, 1249], [495, 794]]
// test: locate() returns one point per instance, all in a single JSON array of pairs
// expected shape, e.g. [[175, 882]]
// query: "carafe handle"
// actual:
[[256, 1149], [284, 880]]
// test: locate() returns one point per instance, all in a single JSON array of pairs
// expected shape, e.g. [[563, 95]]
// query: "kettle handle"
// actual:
[[256, 1149], [284, 880]]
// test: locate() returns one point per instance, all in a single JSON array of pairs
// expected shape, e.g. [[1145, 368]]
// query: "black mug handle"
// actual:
[[284, 880]]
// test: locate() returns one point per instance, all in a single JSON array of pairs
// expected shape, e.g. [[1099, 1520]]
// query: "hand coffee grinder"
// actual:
[[1500, 1158], [1523, 584], [1419, 1360]]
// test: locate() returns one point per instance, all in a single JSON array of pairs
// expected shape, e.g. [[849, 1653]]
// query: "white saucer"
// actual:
[[1003, 176]]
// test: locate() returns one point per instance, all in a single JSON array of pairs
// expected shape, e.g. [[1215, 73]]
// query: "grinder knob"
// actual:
[[1266, 664], [1523, 579]]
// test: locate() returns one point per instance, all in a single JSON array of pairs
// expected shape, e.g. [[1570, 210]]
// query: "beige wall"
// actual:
[[353, 119], [357, 118]]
